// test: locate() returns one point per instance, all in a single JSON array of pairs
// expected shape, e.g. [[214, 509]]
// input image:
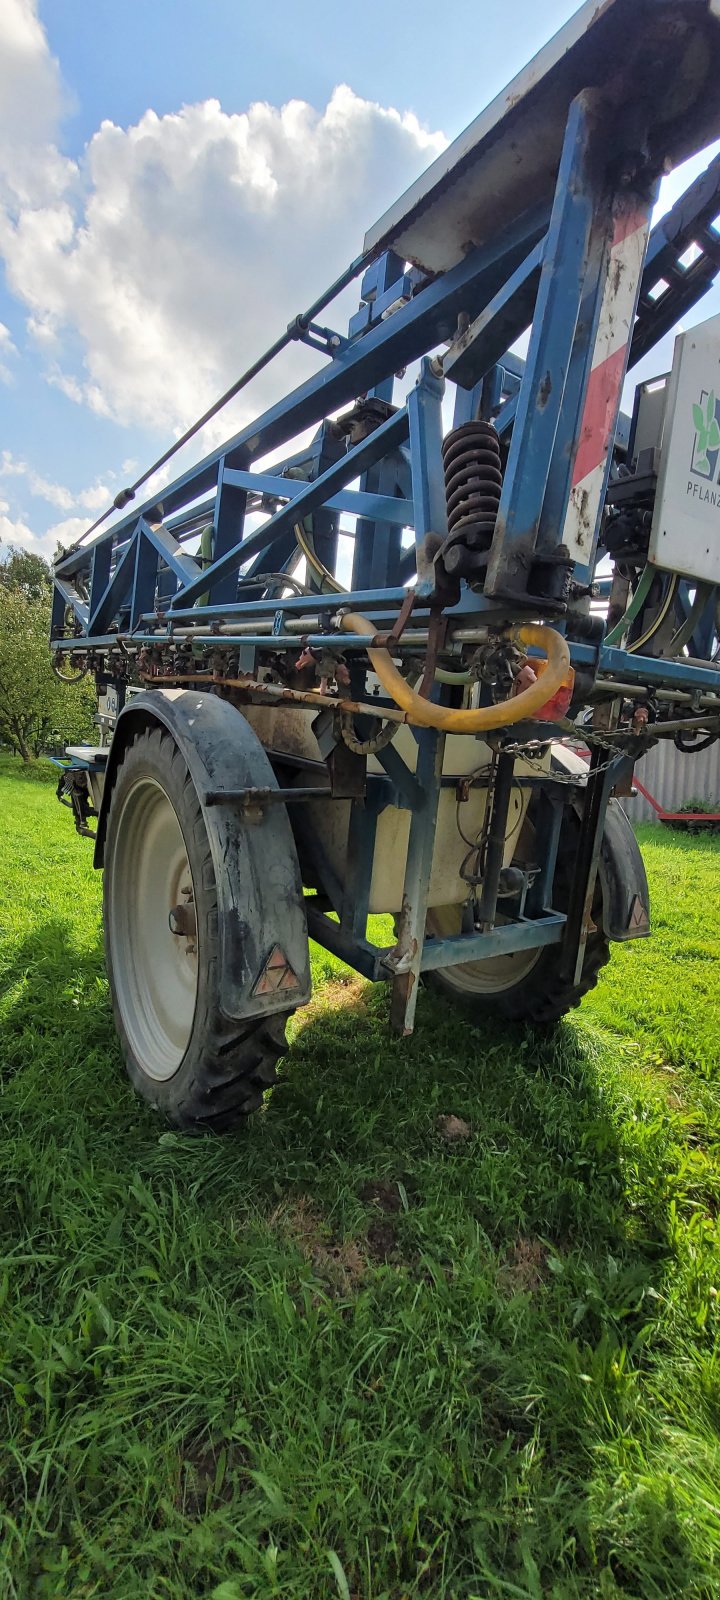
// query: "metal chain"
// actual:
[[589, 737], [367, 747], [570, 779]]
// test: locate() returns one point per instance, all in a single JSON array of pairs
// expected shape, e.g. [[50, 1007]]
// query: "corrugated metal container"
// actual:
[[673, 779]]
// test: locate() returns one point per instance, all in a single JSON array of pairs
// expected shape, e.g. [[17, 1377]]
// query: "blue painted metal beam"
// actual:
[[541, 396], [352, 501], [498, 326], [428, 482], [407, 956], [100, 567], [407, 790], [373, 961], [144, 580], [427, 320], [228, 530], [68, 598], [185, 567], [365, 958], [376, 555], [512, 936], [202, 510], [117, 590], [363, 599], [657, 670], [311, 495]]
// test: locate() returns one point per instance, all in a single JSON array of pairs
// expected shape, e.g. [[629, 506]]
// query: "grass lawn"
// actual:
[[339, 1354]]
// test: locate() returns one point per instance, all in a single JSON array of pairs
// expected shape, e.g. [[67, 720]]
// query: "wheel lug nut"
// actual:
[[181, 921]]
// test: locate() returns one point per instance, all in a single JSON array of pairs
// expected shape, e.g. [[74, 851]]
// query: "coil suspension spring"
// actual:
[[473, 480]]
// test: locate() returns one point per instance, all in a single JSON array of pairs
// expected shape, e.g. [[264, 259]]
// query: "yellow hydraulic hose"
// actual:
[[424, 714], [314, 561]]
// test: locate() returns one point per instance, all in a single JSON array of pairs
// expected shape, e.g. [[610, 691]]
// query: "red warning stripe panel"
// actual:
[[599, 414], [628, 220], [602, 400], [613, 335]]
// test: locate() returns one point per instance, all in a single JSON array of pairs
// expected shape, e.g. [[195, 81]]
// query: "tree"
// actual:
[[24, 570], [35, 708]]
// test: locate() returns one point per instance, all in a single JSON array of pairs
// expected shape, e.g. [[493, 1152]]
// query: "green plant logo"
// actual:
[[707, 436]]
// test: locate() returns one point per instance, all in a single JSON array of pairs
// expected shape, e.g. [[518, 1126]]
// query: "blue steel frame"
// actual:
[[138, 582]]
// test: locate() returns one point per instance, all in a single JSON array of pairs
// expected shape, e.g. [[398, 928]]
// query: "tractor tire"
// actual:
[[525, 986], [194, 1065]]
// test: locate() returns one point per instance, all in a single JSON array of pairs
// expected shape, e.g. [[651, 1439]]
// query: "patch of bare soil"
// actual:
[[209, 1475], [341, 1266], [338, 994], [453, 1129], [383, 1193], [382, 1241], [525, 1268]]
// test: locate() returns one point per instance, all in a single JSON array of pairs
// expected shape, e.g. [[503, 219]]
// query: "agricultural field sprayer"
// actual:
[[283, 755]]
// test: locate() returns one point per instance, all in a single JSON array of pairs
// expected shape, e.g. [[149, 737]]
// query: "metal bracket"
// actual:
[[255, 799]]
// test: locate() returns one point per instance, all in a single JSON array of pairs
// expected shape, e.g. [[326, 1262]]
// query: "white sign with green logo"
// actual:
[[686, 523]]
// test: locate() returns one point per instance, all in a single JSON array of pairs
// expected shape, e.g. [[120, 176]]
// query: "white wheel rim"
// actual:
[[155, 971], [493, 976]]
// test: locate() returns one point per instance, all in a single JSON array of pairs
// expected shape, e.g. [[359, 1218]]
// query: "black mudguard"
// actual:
[[621, 869], [260, 898], [625, 892]]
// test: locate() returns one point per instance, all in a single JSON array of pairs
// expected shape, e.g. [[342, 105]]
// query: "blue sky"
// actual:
[[154, 237], [442, 61]]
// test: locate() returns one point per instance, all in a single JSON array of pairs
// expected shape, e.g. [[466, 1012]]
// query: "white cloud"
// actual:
[[7, 351], [94, 498], [31, 103], [175, 250], [14, 530], [31, 96], [62, 533], [83, 394]]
